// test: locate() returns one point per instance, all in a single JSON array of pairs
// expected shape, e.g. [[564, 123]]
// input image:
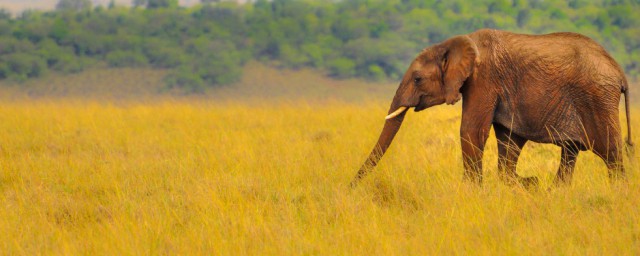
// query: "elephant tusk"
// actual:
[[395, 113]]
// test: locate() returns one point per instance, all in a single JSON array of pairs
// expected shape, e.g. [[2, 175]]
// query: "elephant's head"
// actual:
[[434, 77]]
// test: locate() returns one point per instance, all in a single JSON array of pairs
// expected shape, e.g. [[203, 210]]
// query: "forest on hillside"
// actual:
[[208, 44]]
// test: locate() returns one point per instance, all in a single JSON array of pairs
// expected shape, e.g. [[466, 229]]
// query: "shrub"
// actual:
[[21, 66], [342, 68], [162, 55], [376, 73], [184, 80], [120, 58]]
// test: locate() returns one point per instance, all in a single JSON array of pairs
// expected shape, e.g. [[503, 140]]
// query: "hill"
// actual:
[[206, 46], [259, 82]]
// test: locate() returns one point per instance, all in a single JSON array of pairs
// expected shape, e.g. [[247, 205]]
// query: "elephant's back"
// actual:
[[564, 52], [551, 57]]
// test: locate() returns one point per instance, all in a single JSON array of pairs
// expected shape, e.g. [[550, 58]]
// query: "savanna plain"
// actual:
[[256, 176]]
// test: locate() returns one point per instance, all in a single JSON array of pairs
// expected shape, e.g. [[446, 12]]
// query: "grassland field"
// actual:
[[193, 176]]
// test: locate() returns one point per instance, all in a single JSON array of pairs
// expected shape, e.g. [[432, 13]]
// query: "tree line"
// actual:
[[208, 44]]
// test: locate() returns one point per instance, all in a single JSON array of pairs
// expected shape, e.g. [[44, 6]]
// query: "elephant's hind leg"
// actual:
[[610, 150], [613, 159], [509, 147], [567, 163]]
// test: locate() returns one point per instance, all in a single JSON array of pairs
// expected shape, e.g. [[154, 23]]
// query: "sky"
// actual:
[[17, 6]]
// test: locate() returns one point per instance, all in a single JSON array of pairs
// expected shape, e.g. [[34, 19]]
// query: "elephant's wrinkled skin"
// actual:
[[560, 88]]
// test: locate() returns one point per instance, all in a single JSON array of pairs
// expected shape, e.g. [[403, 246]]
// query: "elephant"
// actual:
[[560, 88]]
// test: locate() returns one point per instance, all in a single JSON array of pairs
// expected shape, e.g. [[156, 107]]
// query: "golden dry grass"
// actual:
[[178, 177]]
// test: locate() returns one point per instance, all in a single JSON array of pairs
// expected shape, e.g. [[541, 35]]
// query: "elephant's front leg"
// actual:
[[474, 132], [478, 107]]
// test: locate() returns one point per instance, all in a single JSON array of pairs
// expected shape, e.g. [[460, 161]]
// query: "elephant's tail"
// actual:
[[625, 90]]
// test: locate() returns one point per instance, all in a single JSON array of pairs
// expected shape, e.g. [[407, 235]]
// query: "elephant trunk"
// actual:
[[391, 127]]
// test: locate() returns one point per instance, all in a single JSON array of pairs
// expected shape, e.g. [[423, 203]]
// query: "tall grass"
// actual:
[[177, 177]]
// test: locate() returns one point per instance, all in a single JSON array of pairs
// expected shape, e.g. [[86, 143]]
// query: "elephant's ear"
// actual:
[[458, 60]]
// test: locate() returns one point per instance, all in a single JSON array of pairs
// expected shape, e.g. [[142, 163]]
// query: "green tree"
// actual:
[[73, 5], [523, 17], [185, 80], [342, 68], [138, 3], [208, 44], [22, 66], [121, 58], [154, 4], [5, 14]]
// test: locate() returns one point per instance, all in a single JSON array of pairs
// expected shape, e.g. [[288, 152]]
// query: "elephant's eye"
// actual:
[[417, 79]]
